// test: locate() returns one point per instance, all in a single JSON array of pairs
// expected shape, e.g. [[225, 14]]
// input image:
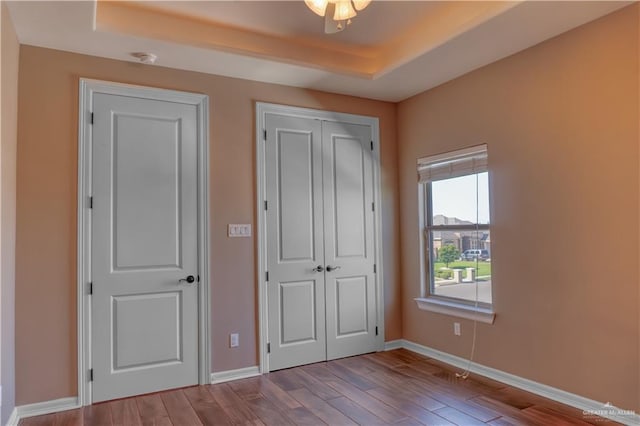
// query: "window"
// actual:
[[456, 235]]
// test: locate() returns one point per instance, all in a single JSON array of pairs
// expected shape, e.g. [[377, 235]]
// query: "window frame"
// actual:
[[428, 300]]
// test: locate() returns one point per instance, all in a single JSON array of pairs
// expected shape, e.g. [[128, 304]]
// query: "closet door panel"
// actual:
[[349, 242], [295, 237]]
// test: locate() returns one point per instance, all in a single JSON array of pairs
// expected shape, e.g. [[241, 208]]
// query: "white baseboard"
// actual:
[[588, 406], [63, 404], [240, 373], [392, 344], [40, 408], [13, 418]]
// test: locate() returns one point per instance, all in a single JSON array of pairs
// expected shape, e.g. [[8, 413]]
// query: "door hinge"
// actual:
[[374, 268], [91, 374], [265, 134], [266, 276], [373, 207], [371, 145], [90, 202], [268, 348], [266, 205], [91, 119], [376, 330], [90, 288]]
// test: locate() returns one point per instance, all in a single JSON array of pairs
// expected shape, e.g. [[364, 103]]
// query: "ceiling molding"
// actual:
[[446, 21], [125, 18], [447, 40]]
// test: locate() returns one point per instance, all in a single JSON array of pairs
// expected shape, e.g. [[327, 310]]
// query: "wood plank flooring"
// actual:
[[396, 387]]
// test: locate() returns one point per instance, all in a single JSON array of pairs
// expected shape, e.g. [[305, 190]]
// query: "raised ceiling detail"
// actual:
[[354, 55], [393, 50]]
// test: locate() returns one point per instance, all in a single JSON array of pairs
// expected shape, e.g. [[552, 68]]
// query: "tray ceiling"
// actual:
[[393, 49]]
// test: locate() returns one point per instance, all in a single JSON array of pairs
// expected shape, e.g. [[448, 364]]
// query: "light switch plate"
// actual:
[[236, 230]]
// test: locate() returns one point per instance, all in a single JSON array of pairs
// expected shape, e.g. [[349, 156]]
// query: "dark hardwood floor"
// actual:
[[395, 387]]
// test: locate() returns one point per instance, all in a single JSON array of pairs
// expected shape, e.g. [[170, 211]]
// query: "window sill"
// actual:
[[446, 307]]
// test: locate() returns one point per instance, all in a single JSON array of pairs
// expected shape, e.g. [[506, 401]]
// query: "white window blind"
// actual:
[[452, 164]]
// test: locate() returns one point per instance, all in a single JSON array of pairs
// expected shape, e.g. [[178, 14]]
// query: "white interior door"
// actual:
[[144, 241], [295, 258], [349, 243], [320, 250]]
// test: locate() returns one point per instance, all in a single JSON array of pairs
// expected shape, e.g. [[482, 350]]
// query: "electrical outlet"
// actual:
[[456, 329], [234, 340]]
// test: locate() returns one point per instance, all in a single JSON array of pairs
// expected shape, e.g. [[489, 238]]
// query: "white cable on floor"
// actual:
[[467, 371]]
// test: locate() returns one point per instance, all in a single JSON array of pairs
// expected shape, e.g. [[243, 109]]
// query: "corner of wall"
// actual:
[[396, 108], [637, 6], [8, 143]]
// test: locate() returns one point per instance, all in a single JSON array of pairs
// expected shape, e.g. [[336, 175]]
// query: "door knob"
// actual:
[[318, 268], [332, 268], [190, 279]]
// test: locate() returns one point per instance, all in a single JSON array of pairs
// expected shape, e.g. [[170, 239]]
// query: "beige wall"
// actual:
[[9, 128], [47, 170], [561, 123]]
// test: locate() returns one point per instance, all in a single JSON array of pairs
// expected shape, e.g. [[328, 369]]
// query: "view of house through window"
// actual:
[[460, 238], [457, 234]]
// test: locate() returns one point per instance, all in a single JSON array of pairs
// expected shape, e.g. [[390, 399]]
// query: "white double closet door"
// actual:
[[320, 240]]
